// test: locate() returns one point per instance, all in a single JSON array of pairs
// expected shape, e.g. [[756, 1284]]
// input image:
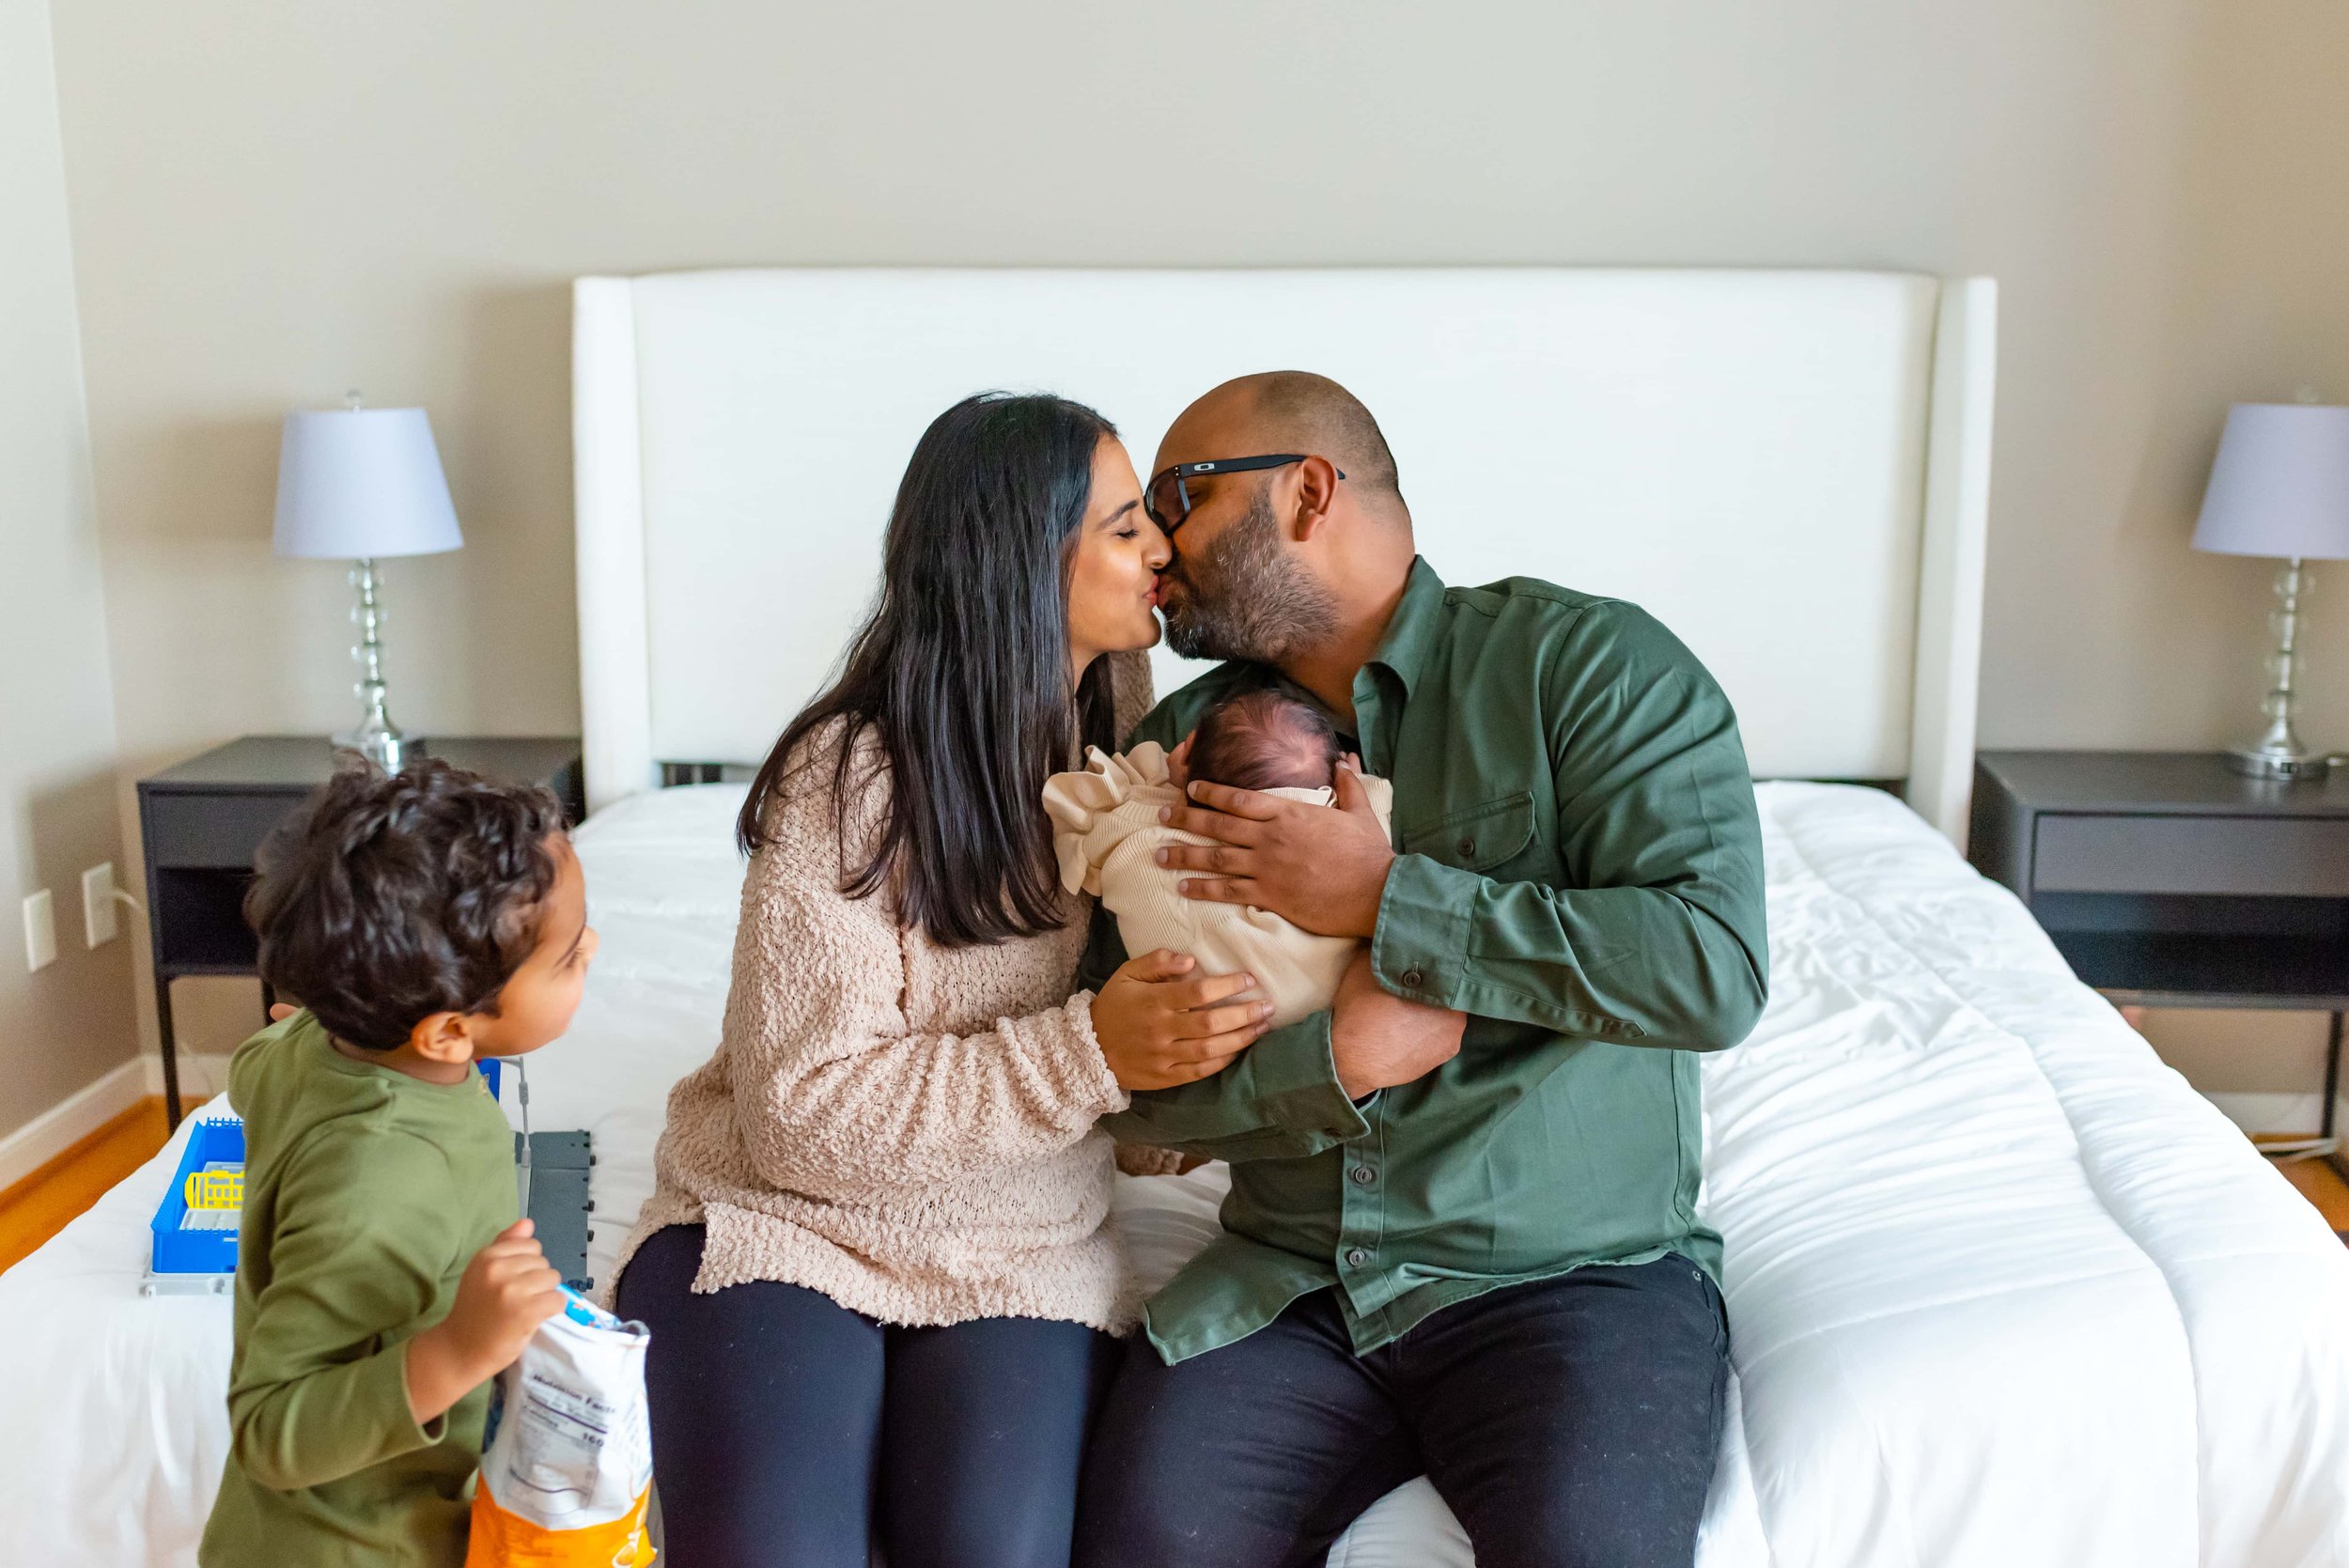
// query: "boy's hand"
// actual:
[[507, 1290]]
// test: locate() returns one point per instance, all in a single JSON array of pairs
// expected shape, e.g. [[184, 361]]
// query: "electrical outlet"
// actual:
[[98, 922], [41, 930]]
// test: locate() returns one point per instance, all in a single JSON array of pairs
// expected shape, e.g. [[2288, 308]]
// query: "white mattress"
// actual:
[[2002, 1289]]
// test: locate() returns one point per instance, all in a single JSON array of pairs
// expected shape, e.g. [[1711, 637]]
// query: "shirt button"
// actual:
[[1413, 979], [1468, 846], [1365, 1175], [1356, 1257]]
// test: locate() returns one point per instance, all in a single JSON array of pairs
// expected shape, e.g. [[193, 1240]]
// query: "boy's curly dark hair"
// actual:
[[389, 899]]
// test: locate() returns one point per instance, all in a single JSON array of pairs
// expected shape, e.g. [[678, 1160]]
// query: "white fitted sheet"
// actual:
[[2002, 1289]]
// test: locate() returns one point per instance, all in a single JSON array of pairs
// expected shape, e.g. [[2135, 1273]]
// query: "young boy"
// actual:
[[424, 920]]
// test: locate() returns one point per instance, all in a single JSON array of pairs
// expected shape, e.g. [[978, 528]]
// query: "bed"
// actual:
[[2003, 1289]]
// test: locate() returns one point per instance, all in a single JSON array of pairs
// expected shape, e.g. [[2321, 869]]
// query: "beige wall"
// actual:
[[66, 1025], [2257, 309], [274, 202]]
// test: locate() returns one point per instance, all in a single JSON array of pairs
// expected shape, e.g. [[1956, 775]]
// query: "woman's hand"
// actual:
[[1160, 1028]]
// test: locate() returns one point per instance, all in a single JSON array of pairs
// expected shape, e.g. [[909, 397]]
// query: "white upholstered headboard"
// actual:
[[1790, 468]]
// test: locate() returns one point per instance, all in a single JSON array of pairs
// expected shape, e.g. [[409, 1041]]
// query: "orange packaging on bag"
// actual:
[[567, 1465], [506, 1539]]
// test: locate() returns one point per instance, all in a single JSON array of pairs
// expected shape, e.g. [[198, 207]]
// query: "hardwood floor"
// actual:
[[45, 1201], [2322, 1185]]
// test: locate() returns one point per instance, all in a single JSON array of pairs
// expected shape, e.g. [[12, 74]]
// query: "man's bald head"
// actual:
[[1269, 564], [1296, 411]]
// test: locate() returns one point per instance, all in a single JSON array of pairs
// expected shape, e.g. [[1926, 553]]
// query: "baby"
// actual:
[[1107, 833]]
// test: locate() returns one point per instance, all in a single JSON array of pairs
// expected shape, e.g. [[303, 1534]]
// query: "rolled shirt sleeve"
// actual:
[[1280, 1100]]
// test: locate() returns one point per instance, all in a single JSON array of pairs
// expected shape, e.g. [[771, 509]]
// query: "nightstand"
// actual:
[[2169, 880], [202, 820]]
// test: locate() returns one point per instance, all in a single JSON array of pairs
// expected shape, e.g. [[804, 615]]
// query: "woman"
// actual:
[[876, 1265]]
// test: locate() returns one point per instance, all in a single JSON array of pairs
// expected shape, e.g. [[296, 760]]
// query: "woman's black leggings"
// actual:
[[788, 1430]]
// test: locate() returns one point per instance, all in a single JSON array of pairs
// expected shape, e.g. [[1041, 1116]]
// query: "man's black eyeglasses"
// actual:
[[1168, 498]]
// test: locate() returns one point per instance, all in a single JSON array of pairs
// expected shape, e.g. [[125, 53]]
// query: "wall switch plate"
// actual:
[[41, 930], [98, 922]]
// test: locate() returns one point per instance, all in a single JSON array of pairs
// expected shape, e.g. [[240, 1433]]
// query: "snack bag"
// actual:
[[567, 1459]]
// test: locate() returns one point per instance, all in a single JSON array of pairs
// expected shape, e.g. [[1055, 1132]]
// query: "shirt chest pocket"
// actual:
[[1493, 838]]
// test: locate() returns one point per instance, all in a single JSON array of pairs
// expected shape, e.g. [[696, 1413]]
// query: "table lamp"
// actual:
[[359, 485], [2280, 488]]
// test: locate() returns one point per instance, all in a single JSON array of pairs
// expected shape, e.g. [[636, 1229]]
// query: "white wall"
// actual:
[[66, 1025], [273, 202]]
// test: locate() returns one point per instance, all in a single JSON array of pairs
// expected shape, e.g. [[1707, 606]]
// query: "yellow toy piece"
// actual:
[[215, 1189]]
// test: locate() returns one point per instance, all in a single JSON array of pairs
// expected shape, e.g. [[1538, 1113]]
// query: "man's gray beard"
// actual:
[[1253, 600]]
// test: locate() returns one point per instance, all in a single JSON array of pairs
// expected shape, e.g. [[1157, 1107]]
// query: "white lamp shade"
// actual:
[[2280, 486], [359, 483]]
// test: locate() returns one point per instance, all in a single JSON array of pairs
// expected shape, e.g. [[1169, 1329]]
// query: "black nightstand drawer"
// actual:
[[2167, 879], [205, 932], [208, 832], [2291, 857]]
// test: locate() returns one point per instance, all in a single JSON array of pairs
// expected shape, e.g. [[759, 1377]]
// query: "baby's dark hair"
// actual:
[[389, 899], [1265, 740]]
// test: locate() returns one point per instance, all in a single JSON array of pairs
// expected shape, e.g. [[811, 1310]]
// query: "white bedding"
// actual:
[[2003, 1290]]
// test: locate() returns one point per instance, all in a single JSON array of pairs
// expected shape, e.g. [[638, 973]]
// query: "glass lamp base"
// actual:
[[2277, 763], [381, 744], [2279, 753]]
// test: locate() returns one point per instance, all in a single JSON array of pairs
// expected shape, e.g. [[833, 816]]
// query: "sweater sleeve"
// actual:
[[355, 1261], [832, 1091]]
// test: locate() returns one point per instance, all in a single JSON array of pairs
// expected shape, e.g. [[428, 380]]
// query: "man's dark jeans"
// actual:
[[1567, 1421]]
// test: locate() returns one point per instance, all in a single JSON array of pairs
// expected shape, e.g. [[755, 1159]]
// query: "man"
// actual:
[[1461, 1239]]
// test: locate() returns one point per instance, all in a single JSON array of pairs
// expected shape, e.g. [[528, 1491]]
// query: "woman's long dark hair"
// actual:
[[961, 672]]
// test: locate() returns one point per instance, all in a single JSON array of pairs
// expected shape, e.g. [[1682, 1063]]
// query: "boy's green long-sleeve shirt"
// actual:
[[367, 1193], [1580, 873]]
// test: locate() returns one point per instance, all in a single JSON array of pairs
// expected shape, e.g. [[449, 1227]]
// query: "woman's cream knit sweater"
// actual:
[[905, 1127]]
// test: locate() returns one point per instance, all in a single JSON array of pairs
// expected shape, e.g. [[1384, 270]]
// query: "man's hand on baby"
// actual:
[[1159, 1027], [1315, 867]]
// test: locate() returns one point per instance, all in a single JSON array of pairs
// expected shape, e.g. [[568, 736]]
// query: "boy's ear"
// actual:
[[443, 1037]]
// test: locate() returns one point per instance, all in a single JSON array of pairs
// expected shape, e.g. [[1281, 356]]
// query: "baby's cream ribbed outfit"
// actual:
[[1107, 834]]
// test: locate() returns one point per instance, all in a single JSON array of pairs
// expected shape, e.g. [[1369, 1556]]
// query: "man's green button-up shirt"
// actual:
[[1579, 871]]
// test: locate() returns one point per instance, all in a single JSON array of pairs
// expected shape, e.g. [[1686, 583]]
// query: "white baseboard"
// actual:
[[73, 1118], [201, 1075], [91, 1106]]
